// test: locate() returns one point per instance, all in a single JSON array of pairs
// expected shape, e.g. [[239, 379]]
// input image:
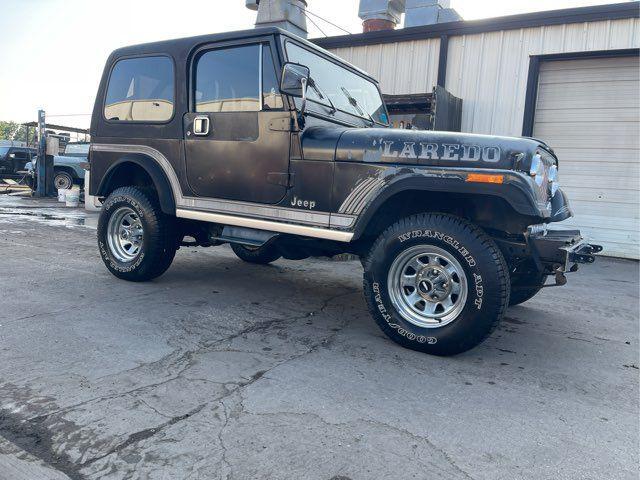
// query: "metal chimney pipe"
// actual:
[[427, 12], [286, 14], [380, 14]]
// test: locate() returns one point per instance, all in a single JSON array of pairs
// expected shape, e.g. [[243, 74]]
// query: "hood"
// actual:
[[444, 149]]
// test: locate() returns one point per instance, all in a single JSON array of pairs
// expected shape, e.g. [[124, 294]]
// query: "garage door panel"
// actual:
[[596, 193], [582, 75], [599, 170], [591, 155], [574, 138], [600, 95], [614, 223], [579, 180], [603, 210], [596, 63], [586, 115]]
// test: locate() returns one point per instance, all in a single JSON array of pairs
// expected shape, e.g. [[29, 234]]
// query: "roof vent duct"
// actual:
[[380, 14], [427, 12], [286, 14]]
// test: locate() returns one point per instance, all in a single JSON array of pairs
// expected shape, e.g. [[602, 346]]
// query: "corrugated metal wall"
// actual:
[[407, 67], [489, 71]]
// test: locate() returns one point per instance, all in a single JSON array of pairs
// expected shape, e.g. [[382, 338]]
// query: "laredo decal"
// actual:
[[439, 151]]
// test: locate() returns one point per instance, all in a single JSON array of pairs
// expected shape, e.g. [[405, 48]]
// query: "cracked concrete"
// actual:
[[224, 370]]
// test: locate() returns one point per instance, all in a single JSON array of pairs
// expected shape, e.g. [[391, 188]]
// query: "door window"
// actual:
[[271, 98], [228, 80], [141, 90]]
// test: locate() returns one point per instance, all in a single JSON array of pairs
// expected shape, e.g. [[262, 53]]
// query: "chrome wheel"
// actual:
[[125, 234], [427, 286]]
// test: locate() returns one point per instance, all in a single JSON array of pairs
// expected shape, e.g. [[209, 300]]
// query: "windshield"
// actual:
[[77, 148], [3, 151], [349, 92]]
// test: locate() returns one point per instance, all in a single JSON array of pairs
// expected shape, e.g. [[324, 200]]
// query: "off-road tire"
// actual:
[[525, 288], [487, 280], [159, 242], [261, 255], [62, 179]]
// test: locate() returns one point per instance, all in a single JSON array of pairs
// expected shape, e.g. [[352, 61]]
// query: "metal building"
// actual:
[[570, 77]]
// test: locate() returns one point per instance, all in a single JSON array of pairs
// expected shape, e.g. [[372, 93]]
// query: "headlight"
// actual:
[[537, 169], [553, 180]]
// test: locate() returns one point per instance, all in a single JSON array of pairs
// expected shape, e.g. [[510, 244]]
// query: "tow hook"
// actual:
[[583, 253]]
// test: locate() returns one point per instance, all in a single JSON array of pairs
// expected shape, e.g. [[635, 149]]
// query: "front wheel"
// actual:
[[137, 241], [436, 283]]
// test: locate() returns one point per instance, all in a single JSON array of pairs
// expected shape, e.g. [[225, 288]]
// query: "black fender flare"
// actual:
[[151, 166], [515, 191]]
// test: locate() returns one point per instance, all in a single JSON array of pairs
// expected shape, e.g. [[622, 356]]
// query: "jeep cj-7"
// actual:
[[264, 141]]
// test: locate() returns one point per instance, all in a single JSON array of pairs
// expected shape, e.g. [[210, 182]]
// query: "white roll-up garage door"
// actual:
[[588, 110]]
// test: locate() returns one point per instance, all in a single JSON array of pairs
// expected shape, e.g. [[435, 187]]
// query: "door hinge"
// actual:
[[285, 124], [284, 179]]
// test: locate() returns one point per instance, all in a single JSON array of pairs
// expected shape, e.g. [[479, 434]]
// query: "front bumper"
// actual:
[[560, 251]]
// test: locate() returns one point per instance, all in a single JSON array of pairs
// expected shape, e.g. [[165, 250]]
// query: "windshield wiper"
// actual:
[[311, 82], [354, 103]]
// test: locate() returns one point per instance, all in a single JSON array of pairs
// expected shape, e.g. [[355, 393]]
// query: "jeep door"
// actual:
[[237, 130]]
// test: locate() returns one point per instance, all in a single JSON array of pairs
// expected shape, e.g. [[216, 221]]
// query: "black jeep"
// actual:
[[264, 141]]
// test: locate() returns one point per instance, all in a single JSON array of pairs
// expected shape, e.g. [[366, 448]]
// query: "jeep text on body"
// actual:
[[264, 141]]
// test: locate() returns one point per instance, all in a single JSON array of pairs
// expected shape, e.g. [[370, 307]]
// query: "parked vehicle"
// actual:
[[67, 170], [264, 141], [13, 159]]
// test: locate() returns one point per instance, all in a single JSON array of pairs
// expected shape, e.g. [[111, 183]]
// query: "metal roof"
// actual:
[[550, 17]]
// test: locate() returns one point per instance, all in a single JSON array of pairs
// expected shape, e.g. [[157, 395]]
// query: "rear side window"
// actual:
[[140, 90]]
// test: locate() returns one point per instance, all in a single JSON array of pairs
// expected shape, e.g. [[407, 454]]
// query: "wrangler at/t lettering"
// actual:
[[264, 141]]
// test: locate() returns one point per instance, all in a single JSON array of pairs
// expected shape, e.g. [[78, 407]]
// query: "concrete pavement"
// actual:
[[221, 369]]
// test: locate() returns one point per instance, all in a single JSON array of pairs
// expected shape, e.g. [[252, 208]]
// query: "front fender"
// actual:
[[371, 192]]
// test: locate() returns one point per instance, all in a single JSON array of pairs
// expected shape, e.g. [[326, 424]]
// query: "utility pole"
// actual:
[[41, 165]]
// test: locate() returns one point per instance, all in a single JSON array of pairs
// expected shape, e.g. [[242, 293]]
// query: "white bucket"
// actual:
[[72, 197], [91, 202], [62, 194]]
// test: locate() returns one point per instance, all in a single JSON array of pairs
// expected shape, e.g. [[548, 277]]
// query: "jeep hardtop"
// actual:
[[264, 141]]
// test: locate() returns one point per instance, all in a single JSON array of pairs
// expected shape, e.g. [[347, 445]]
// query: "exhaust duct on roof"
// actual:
[[380, 14], [427, 12], [286, 14]]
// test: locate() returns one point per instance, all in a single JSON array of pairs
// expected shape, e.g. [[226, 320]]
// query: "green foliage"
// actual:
[[12, 131]]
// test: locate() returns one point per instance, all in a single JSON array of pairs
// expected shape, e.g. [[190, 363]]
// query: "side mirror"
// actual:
[[12, 155], [294, 79]]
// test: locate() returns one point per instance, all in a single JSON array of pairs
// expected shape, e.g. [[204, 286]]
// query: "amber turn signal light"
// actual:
[[485, 178]]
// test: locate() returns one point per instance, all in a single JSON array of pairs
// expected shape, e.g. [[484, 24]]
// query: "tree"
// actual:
[[12, 131]]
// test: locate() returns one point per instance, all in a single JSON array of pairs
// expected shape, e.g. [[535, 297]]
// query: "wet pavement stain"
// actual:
[[35, 438]]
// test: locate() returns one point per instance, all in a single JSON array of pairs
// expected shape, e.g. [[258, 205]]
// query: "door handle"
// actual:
[[201, 125]]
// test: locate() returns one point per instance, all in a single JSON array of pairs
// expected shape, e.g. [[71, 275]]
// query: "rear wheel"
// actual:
[[436, 283], [260, 255], [137, 241], [62, 180]]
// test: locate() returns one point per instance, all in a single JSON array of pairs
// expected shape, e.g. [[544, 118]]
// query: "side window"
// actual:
[[271, 98], [20, 155], [227, 80], [140, 90]]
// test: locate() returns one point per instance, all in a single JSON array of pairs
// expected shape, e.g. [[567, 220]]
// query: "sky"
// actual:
[[52, 52]]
